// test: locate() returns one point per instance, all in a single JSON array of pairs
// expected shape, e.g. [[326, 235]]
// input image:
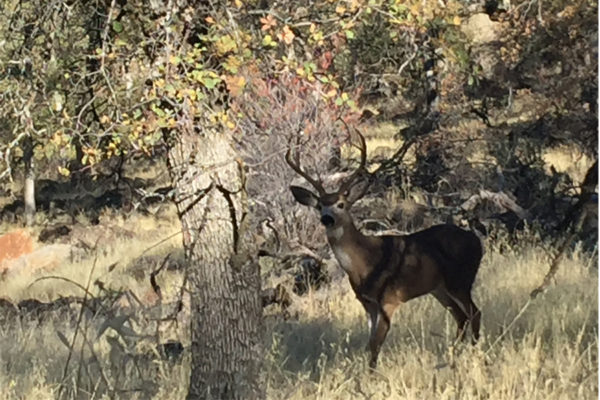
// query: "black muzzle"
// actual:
[[327, 220]]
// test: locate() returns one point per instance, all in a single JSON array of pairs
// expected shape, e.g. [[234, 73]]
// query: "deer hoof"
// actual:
[[372, 364]]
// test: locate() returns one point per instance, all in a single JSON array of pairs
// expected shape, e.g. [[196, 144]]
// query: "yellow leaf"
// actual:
[[456, 20], [225, 44], [238, 3], [235, 84], [331, 93], [415, 9], [232, 63], [268, 41], [64, 171], [209, 20], [340, 9]]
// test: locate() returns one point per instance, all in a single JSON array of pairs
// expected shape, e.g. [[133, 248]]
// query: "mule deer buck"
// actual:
[[385, 271]]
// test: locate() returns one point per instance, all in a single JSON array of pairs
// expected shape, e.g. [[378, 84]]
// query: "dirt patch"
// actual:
[[14, 245], [45, 258]]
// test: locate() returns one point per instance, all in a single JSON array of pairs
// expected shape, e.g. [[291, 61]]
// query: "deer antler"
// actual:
[[295, 165], [348, 182]]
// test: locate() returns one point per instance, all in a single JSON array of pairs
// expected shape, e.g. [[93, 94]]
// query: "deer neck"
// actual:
[[351, 249]]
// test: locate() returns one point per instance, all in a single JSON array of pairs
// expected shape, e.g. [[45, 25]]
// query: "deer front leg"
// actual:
[[372, 312], [379, 331]]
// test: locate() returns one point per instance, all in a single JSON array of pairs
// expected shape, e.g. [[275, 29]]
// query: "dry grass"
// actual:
[[549, 353], [119, 241], [567, 159]]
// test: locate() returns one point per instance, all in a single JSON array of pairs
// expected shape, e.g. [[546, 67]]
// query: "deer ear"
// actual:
[[305, 197]]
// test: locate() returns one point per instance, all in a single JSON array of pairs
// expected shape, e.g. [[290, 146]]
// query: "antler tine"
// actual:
[[295, 165], [348, 182]]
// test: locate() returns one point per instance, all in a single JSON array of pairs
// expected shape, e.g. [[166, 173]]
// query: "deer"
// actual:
[[388, 270]]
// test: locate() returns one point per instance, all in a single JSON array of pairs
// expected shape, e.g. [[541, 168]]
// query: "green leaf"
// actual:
[[170, 89], [349, 34], [117, 26], [339, 101], [225, 44], [157, 110], [211, 83]]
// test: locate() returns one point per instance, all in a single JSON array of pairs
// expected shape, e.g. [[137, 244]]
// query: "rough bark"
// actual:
[[223, 282]]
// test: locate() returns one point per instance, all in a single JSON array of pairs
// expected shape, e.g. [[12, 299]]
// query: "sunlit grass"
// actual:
[[113, 246], [550, 352]]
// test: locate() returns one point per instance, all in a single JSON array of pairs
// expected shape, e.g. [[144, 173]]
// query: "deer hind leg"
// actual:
[[458, 314], [464, 300]]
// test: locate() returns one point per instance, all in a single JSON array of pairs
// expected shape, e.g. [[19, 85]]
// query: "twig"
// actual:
[[79, 319], [510, 325]]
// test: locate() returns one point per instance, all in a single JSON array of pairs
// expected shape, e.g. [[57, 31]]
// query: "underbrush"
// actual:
[[548, 352]]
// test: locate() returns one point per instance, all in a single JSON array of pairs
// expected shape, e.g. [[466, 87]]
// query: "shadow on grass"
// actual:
[[303, 346]]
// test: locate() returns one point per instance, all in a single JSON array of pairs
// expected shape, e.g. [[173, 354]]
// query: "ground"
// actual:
[[543, 349], [318, 353]]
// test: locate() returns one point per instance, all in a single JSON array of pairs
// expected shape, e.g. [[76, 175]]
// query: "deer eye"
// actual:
[[340, 206]]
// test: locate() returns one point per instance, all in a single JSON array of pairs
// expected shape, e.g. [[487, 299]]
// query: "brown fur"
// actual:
[[386, 271]]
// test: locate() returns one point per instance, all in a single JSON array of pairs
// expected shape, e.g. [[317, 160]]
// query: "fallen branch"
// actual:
[[498, 198]]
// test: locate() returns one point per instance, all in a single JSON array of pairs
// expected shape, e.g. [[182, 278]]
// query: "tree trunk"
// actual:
[[224, 284], [29, 187]]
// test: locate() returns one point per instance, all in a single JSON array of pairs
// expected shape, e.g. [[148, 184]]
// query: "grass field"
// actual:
[[550, 352], [545, 349]]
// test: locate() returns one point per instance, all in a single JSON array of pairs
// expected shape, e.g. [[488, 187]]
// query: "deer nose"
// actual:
[[327, 220]]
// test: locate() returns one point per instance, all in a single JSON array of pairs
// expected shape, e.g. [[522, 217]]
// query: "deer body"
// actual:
[[386, 271]]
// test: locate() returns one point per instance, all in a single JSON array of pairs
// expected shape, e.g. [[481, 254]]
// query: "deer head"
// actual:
[[334, 207]]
